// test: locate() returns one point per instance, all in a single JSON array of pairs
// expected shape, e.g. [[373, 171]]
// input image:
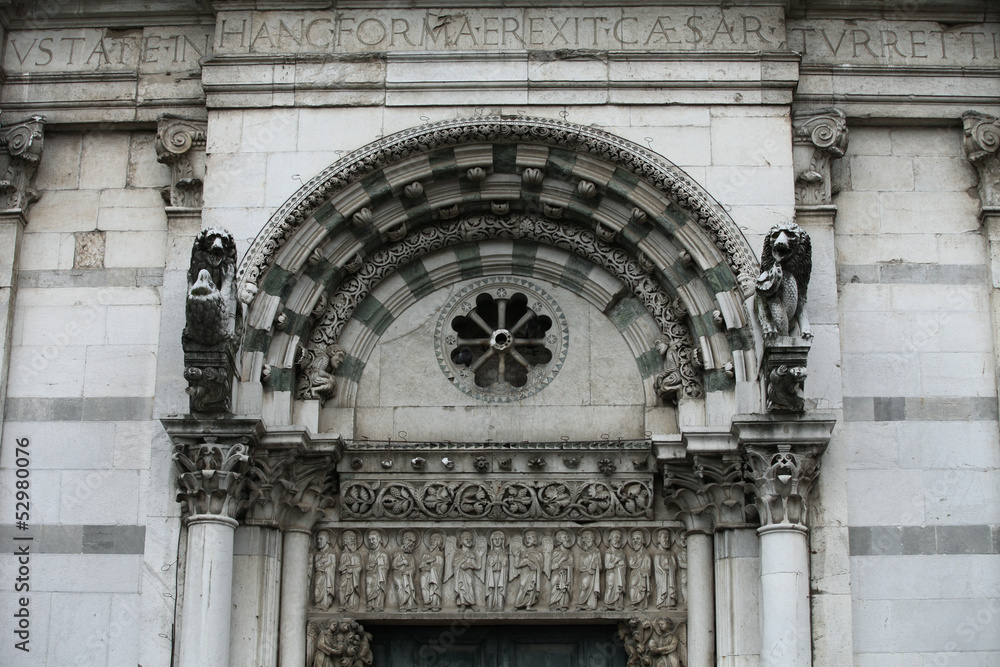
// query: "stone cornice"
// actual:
[[20, 152], [818, 137], [180, 143], [982, 142]]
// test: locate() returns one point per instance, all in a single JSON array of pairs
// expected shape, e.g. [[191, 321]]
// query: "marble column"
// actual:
[[212, 457], [783, 461], [701, 596], [20, 152], [737, 593]]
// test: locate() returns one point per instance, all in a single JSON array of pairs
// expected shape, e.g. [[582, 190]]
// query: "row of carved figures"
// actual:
[[585, 569]]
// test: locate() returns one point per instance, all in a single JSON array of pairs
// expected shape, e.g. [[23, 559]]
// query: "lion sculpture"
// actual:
[[211, 302], [785, 265]]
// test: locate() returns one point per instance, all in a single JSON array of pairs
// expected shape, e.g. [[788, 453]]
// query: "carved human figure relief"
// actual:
[[639, 569], [350, 571], [496, 571], [528, 564], [404, 571], [465, 568], [590, 571], [431, 571], [614, 570], [681, 559], [664, 571], [324, 572], [343, 644], [376, 572], [560, 571]]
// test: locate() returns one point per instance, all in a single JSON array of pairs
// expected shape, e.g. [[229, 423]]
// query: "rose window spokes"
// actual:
[[501, 340]]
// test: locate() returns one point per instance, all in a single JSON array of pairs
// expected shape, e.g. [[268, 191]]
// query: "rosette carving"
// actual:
[[982, 143], [514, 501]]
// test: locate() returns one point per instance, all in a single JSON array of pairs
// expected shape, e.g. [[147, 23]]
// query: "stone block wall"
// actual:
[[920, 401], [84, 362]]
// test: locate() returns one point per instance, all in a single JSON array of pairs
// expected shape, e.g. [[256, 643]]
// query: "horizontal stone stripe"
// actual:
[[105, 408], [920, 408], [77, 539], [923, 540], [905, 273], [91, 278]]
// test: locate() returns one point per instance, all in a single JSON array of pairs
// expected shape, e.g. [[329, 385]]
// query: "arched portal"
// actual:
[[604, 205]]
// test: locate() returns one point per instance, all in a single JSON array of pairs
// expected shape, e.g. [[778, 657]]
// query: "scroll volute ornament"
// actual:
[[180, 143], [819, 137], [20, 152], [982, 143]]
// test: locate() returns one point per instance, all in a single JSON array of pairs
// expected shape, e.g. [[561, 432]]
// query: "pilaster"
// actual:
[[180, 143], [982, 147], [20, 152]]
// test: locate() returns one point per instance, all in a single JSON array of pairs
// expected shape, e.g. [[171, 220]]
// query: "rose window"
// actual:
[[501, 339]]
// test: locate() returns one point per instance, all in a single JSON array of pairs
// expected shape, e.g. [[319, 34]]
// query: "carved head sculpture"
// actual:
[[663, 539], [615, 539], [409, 541], [466, 539], [563, 539], [497, 539], [530, 538], [587, 540], [434, 541], [215, 251], [681, 540], [636, 540], [373, 539], [663, 625], [322, 541], [350, 540]]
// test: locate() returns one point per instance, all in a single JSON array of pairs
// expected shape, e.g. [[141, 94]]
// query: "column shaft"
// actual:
[[294, 598], [786, 634], [737, 592], [701, 600], [208, 592], [256, 589]]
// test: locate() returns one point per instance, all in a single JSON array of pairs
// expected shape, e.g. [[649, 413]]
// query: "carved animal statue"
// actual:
[[784, 389], [211, 303], [785, 264]]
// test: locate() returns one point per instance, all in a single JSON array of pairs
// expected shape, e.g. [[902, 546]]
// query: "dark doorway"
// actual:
[[461, 645]]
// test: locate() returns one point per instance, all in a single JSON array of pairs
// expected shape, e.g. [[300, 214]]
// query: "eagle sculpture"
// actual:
[[785, 265], [211, 300]]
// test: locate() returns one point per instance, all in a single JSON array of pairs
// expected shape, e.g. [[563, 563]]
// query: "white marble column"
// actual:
[[295, 562], [208, 592], [701, 598], [256, 592], [737, 593], [786, 630], [783, 459]]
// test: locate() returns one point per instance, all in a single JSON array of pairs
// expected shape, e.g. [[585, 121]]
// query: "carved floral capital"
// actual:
[[293, 491], [20, 152], [180, 143], [211, 476], [982, 146], [706, 491], [782, 479], [818, 137]]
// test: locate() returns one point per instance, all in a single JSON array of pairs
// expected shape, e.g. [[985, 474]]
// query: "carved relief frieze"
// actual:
[[20, 152], [819, 137], [682, 365], [338, 643], [658, 642], [180, 143], [509, 500], [532, 571], [982, 143]]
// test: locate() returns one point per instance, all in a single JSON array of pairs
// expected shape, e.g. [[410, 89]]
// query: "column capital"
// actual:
[[706, 492], [212, 458], [20, 152], [783, 461], [180, 143], [818, 138], [982, 143]]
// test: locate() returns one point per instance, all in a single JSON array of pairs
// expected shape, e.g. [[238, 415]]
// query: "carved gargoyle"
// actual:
[[785, 265], [784, 389], [212, 321]]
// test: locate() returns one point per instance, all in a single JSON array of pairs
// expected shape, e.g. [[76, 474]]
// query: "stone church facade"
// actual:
[[516, 333]]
